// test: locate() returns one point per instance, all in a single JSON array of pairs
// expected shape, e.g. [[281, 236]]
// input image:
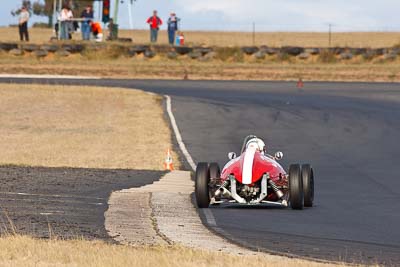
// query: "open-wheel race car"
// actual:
[[254, 178]]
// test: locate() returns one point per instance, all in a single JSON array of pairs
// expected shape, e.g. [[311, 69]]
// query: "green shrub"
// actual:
[[226, 53], [41, 25], [109, 52], [369, 55], [327, 56], [282, 56]]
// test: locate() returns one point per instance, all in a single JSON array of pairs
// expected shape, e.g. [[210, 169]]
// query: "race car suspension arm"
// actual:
[[234, 194], [264, 192]]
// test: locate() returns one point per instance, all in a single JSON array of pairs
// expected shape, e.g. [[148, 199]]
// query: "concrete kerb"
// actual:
[[163, 212]]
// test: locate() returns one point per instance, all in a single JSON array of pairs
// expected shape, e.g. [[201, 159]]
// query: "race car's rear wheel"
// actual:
[[295, 187], [307, 174], [202, 181]]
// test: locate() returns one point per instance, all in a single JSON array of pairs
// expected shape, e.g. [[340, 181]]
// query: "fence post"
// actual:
[[254, 33], [116, 12], [59, 21]]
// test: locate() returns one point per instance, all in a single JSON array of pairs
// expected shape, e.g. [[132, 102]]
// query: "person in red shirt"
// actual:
[[96, 30], [155, 22]]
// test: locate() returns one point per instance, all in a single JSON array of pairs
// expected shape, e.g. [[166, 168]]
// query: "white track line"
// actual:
[[178, 135], [47, 195], [208, 214]]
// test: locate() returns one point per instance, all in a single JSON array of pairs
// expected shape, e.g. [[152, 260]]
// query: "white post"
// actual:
[[54, 13], [59, 22], [116, 12], [130, 4]]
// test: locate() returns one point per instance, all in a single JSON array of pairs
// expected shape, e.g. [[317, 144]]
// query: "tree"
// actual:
[[26, 4], [46, 7]]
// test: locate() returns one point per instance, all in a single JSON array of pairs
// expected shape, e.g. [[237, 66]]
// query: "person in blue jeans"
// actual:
[[155, 22], [65, 22], [87, 15], [172, 27]]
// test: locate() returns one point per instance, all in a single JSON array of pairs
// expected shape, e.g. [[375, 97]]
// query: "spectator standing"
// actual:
[[173, 21], [111, 32], [87, 15], [155, 22], [65, 21], [23, 24]]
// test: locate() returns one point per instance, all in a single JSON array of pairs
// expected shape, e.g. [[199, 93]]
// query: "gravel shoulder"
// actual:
[[64, 150], [61, 202]]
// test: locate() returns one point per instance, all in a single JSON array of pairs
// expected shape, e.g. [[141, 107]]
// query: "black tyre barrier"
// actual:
[[304, 56], [49, 48], [292, 50], [250, 50], [149, 53], [259, 55], [172, 55], [8, 46], [139, 49], [346, 56], [194, 54], [312, 51], [40, 53], [29, 47], [73, 48], [183, 50]]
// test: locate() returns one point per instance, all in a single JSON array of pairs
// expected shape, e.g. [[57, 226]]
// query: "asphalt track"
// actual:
[[349, 132]]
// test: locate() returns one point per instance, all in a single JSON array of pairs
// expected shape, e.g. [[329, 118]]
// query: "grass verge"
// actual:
[[220, 38], [141, 68], [87, 127], [25, 251]]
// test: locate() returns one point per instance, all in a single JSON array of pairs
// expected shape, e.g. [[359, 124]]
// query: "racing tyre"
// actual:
[[307, 174], [295, 187], [202, 181], [215, 171]]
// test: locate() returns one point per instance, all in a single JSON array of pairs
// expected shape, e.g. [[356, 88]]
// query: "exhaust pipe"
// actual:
[[277, 191], [222, 191]]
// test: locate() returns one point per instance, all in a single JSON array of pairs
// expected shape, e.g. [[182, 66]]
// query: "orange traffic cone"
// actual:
[[300, 84], [168, 164]]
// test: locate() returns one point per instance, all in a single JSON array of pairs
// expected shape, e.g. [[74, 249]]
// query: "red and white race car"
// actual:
[[254, 178]]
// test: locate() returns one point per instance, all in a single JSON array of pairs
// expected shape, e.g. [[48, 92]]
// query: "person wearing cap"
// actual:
[[155, 22], [23, 24], [173, 21]]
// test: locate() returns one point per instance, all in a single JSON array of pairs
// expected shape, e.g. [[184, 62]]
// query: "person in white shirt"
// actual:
[[65, 22], [23, 24]]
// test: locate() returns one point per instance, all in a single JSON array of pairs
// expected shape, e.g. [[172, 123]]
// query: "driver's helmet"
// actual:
[[256, 143]]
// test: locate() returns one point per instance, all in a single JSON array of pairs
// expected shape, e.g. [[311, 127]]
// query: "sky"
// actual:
[[267, 15]]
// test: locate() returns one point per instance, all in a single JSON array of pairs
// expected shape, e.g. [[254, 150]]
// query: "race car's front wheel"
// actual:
[[295, 187], [202, 181], [307, 174]]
